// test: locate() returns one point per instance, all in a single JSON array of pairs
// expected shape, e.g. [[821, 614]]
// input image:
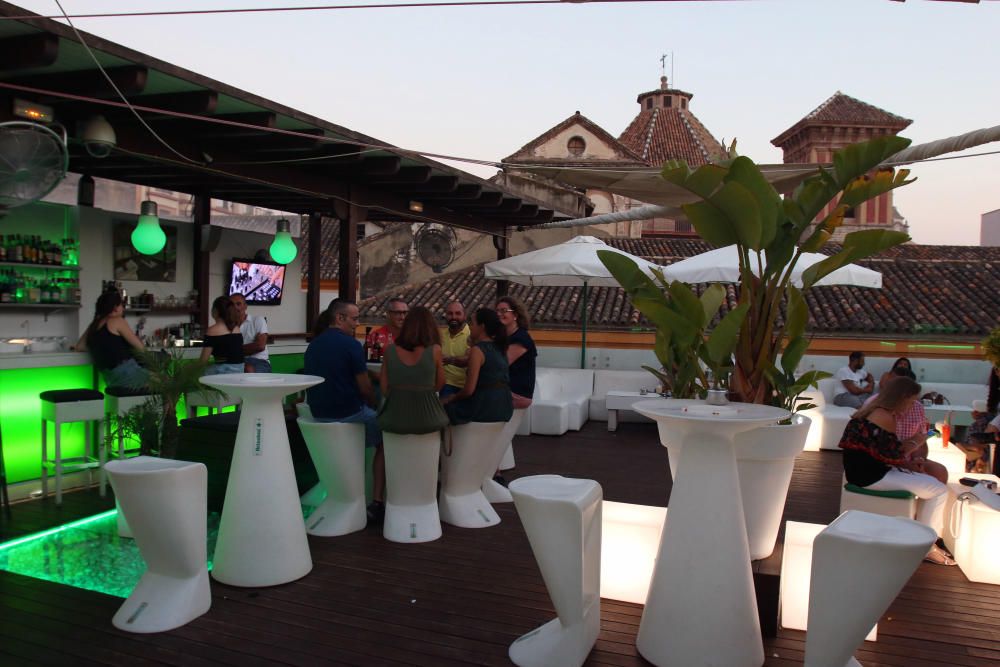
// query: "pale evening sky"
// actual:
[[482, 81]]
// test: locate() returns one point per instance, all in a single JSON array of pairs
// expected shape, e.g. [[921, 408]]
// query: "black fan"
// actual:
[[435, 247], [33, 160]]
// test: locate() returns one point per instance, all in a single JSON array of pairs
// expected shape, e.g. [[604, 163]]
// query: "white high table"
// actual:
[[262, 537], [701, 608]]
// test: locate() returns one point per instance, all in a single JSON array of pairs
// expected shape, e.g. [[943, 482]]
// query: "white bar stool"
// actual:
[[165, 505], [64, 406], [213, 400], [411, 474], [562, 518], [461, 502], [118, 401], [494, 492], [860, 563], [338, 452]]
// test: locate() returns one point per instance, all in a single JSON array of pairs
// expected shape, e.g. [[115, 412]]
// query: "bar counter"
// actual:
[[24, 375]]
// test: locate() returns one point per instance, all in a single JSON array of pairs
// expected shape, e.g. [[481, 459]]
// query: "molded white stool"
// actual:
[[165, 505], [411, 474], [562, 518], [860, 563], [64, 406], [472, 457], [213, 400], [886, 503], [118, 401], [494, 492], [338, 452]]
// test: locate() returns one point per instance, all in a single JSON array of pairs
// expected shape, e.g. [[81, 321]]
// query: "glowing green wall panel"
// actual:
[[21, 417]]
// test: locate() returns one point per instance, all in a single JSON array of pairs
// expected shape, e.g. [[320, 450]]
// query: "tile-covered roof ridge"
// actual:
[[524, 154], [660, 134], [834, 107]]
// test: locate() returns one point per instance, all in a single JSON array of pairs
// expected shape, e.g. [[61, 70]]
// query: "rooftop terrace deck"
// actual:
[[462, 599]]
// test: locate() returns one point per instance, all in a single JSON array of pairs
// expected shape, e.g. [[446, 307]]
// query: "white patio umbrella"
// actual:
[[722, 265], [573, 263]]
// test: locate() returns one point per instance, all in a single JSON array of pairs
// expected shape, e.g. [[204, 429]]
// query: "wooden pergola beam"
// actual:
[[29, 51]]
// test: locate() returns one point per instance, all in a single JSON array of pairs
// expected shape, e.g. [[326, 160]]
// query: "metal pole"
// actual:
[[583, 316]]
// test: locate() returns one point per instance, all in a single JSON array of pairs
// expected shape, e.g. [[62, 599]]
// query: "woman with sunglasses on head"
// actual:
[[486, 395], [521, 351]]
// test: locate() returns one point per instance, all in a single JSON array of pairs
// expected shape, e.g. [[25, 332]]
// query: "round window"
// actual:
[[576, 146]]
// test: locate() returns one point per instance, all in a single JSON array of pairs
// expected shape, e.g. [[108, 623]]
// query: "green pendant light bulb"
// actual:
[[147, 237], [283, 248]]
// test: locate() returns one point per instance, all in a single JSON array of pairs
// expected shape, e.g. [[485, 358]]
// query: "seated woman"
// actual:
[[874, 458], [486, 396], [113, 345], [223, 340], [411, 377], [901, 363]]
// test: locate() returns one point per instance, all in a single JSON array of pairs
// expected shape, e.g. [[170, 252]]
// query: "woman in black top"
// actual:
[[486, 395], [874, 458], [112, 344], [223, 340], [521, 351]]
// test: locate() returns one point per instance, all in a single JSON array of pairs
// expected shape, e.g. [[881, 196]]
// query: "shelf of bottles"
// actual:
[[37, 272]]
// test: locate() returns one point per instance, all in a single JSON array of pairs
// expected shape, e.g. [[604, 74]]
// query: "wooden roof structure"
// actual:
[[233, 145]]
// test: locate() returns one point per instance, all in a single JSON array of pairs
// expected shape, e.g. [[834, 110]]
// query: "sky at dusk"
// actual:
[[481, 82]]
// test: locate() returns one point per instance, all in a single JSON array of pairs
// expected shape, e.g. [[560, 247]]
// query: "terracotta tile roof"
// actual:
[[330, 258], [928, 290], [623, 154], [662, 134], [841, 109]]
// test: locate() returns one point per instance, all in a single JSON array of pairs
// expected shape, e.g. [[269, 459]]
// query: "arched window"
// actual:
[[576, 146]]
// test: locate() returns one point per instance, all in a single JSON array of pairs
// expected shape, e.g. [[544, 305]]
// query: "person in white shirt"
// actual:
[[856, 385], [254, 330]]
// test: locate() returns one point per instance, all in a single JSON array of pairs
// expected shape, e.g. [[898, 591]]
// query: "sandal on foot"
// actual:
[[938, 557]]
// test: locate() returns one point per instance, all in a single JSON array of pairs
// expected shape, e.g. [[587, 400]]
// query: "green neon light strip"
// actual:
[[58, 529], [918, 346]]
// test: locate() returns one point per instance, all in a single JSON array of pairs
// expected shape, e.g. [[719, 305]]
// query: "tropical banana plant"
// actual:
[[681, 318], [737, 206]]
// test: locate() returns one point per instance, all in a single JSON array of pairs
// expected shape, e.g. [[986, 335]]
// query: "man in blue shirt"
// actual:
[[346, 395]]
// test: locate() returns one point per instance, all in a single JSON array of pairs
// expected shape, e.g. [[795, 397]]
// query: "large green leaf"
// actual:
[[740, 207], [857, 159], [747, 174], [687, 303], [792, 354], [679, 329], [867, 187], [711, 300], [625, 271], [711, 223], [722, 340], [797, 316], [856, 245], [702, 181]]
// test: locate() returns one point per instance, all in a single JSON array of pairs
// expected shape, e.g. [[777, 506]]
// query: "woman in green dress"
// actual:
[[486, 395], [411, 377]]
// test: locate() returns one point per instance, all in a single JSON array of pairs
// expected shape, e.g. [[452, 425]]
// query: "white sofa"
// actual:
[[608, 380], [561, 400], [829, 420]]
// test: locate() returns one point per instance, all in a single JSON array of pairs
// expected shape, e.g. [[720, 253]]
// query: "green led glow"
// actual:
[[147, 237], [86, 554], [942, 347], [283, 248]]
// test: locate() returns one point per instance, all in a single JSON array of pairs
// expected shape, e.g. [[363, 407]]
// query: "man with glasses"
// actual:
[[454, 348], [346, 394], [385, 335], [254, 330]]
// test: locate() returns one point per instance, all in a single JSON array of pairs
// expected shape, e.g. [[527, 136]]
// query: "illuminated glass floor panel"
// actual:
[[86, 554]]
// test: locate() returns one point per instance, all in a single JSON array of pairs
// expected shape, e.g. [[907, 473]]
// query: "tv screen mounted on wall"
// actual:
[[262, 283]]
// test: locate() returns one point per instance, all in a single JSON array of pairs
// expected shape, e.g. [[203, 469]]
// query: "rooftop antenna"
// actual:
[[663, 65]]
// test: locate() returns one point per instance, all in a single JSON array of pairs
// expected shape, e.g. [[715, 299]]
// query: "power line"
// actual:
[[313, 8]]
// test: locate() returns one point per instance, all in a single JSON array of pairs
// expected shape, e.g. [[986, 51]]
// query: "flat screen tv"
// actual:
[[262, 283]]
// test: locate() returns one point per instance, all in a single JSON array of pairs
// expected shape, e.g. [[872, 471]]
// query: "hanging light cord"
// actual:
[[119, 92]]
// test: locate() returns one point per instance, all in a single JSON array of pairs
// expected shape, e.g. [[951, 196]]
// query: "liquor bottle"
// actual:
[[3, 249], [368, 350]]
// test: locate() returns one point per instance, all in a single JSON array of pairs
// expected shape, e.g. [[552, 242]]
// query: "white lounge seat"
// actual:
[[828, 420], [561, 401], [860, 563], [338, 452], [411, 475], [608, 380], [473, 456], [165, 505], [213, 400], [562, 518]]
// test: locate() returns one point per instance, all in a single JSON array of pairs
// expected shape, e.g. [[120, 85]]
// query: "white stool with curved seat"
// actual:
[[493, 491], [860, 563], [562, 518], [411, 475], [473, 456], [213, 400], [338, 452], [165, 504]]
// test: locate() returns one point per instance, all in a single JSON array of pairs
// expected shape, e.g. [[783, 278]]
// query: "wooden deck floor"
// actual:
[[462, 599]]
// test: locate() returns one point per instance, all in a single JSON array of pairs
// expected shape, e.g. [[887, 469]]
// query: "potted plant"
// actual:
[[737, 206]]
